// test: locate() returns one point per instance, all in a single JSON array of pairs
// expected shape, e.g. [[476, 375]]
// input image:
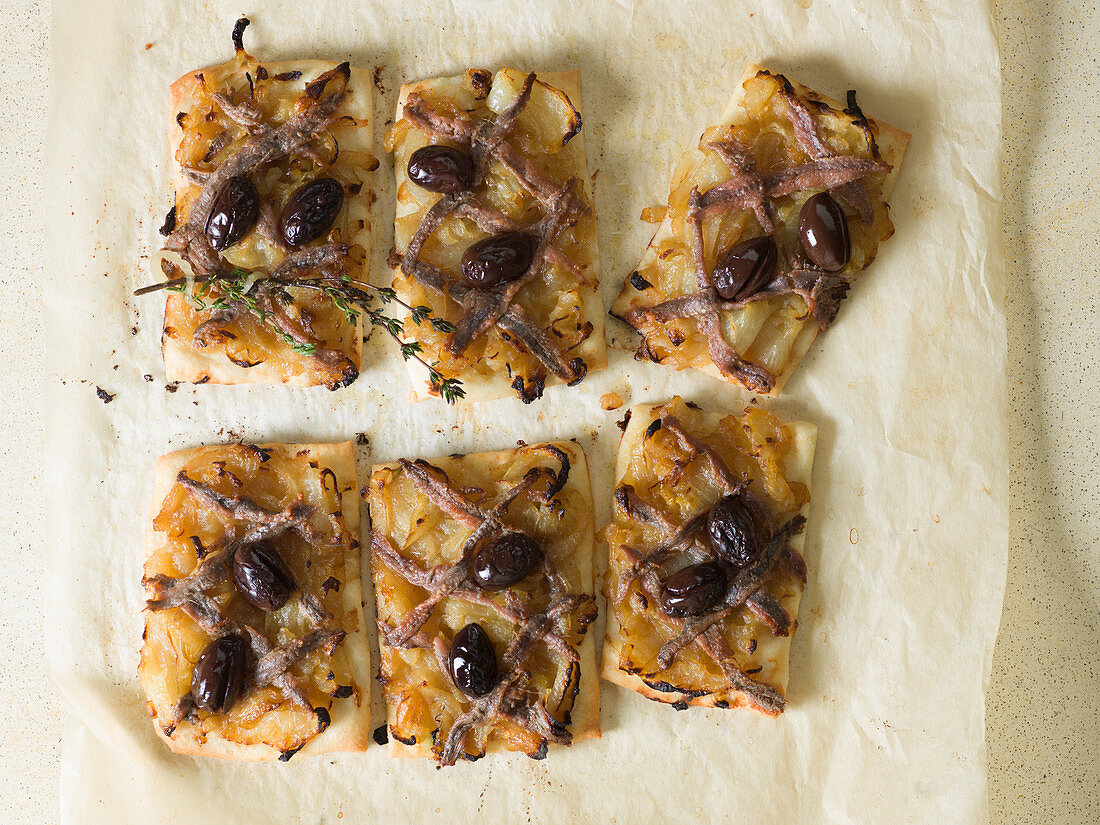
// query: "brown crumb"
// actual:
[[148, 46], [104, 396], [611, 401]]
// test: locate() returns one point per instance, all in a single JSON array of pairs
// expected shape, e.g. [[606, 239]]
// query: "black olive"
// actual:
[[733, 532], [262, 576], [472, 661], [235, 210], [311, 210], [694, 590], [824, 232], [505, 561], [220, 673], [441, 169], [742, 270], [498, 258]]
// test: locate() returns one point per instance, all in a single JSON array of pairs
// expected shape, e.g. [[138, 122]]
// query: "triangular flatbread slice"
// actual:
[[778, 144]]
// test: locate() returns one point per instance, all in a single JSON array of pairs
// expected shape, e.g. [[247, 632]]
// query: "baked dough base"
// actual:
[[798, 464], [594, 349], [585, 715], [196, 365], [350, 728], [891, 143]]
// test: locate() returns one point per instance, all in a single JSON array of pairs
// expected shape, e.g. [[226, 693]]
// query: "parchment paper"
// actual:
[[907, 539]]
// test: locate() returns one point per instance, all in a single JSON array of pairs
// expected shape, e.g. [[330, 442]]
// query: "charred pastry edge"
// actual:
[[583, 611], [828, 298], [347, 735], [332, 368], [570, 372], [621, 671]]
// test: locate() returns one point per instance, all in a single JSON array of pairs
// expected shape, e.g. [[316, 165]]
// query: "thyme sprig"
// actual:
[[224, 292]]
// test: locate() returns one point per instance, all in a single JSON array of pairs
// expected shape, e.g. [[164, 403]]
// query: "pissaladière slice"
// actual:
[[705, 569], [768, 221], [255, 549], [489, 552], [248, 138], [522, 179]]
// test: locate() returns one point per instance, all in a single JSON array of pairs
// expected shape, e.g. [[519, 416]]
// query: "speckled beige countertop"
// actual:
[[1043, 714]]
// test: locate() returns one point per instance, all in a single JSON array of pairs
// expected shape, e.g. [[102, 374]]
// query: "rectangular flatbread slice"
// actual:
[[705, 570], [489, 552], [516, 143], [768, 222], [219, 514], [271, 165]]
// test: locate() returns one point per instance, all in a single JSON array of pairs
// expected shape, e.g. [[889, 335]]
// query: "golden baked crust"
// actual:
[[661, 468], [318, 345], [265, 723], [758, 340], [561, 313], [417, 533]]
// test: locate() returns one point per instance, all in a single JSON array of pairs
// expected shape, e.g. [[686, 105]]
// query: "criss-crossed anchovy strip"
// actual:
[[510, 698], [747, 188], [486, 140], [746, 589], [314, 111], [270, 664]]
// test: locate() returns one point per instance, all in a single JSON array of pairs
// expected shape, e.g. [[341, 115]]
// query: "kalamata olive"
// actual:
[[219, 674], [694, 590], [262, 576], [498, 258], [733, 532], [505, 561], [311, 210], [235, 210], [746, 267], [472, 661], [824, 232], [441, 169]]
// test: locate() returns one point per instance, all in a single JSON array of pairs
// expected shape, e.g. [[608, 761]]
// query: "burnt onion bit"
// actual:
[[262, 576], [505, 561], [694, 590], [311, 211], [441, 169], [732, 532], [472, 662], [743, 269], [220, 672], [233, 214], [497, 259], [823, 230]]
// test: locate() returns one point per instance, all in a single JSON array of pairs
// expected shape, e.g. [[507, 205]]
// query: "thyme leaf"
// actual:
[[221, 292]]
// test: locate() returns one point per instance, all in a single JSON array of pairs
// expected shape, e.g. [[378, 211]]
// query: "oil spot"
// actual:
[[853, 536], [669, 42]]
